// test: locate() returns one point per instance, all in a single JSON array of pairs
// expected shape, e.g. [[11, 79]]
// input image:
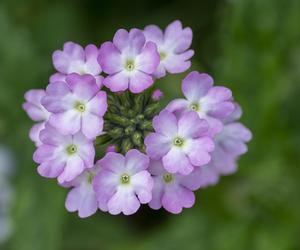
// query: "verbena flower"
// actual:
[[191, 142], [129, 61], [230, 143], [172, 46], [63, 156], [76, 105], [123, 182], [75, 59], [36, 112], [180, 142], [173, 191], [82, 197], [211, 103]]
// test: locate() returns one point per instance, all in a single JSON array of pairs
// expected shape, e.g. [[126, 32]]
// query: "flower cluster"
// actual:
[[104, 101]]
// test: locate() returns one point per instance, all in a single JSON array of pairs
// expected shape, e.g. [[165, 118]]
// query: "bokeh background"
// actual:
[[251, 46]]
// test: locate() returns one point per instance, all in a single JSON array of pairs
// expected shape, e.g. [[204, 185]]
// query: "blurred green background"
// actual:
[[251, 46]]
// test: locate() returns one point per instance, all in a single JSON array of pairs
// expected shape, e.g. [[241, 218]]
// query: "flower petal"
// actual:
[[166, 124], [117, 82], [125, 201], [198, 150], [157, 145], [92, 125], [74, 167], [110, 58], [136, 161], [67, 122], [83, 86], [142, 184], [148, 60], [175, 161], [191, 126], [98, 104], [177, 197], [196, 85], [139, 82]]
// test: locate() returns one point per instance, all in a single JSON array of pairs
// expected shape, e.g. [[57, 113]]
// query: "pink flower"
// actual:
[[76, 105], [74, 59], [180, 142], [63, 156], [36, 112], [211, 103], [172, 46], [123, 182], [173, 191], [82, 197], [129, 61]]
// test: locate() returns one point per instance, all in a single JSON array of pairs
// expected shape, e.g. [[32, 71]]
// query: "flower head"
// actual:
[[82, 197], [36, 112], [129, 61], [63, 156], [76, 105], [211, 103], [180, 142], [123, 182], [173, 191], [172, 46]]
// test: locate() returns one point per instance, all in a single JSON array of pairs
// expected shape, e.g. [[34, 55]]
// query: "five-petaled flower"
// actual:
[[63, 156], [129, 61], [172, 46], [76, 105], [181, 142], [123, 182], [211, 103]]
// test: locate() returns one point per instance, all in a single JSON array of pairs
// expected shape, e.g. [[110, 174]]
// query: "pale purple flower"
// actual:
[[63, 156], [180, 142], [156, 95], [129, 61], [76, 104], [211, 103], [82, 197], [230, 143], [75, 59], [172, 45], [123, 182], [173, 191], [36, 112]]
